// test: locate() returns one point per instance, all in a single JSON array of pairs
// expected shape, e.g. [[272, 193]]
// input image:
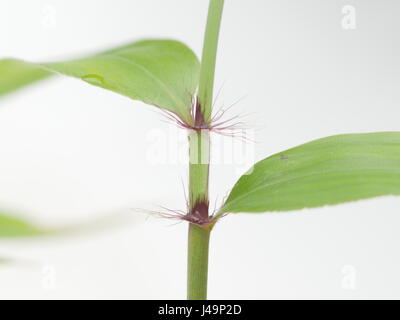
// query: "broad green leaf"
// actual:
[[163, 73], [11, 227], [327, 171]]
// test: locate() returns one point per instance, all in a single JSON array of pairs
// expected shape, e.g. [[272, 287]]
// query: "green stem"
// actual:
[[197, 262], [198, 240], [199, 152], [208, 61]]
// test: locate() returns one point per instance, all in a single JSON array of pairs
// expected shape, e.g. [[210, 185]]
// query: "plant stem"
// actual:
[[207, 71], [199, 239], [199, 152]]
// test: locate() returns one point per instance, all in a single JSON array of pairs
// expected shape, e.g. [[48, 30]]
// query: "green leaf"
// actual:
[[15, 74], [15, 227], [163, 73], [327, 171], [11, 227]]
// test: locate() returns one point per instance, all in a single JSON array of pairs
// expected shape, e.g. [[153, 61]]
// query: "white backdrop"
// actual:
[[70, 152]]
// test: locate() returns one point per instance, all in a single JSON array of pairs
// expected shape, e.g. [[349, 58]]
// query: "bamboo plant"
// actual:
[[168, 75]]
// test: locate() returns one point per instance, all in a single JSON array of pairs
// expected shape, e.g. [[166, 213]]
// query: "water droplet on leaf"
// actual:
[[94, 79]]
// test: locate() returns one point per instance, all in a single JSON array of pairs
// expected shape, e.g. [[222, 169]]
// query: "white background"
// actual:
[[70, 152]]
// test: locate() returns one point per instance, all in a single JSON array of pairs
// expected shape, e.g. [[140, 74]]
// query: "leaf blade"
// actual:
[[16, 74], [163, 73], [12, 227], [327, 171]]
